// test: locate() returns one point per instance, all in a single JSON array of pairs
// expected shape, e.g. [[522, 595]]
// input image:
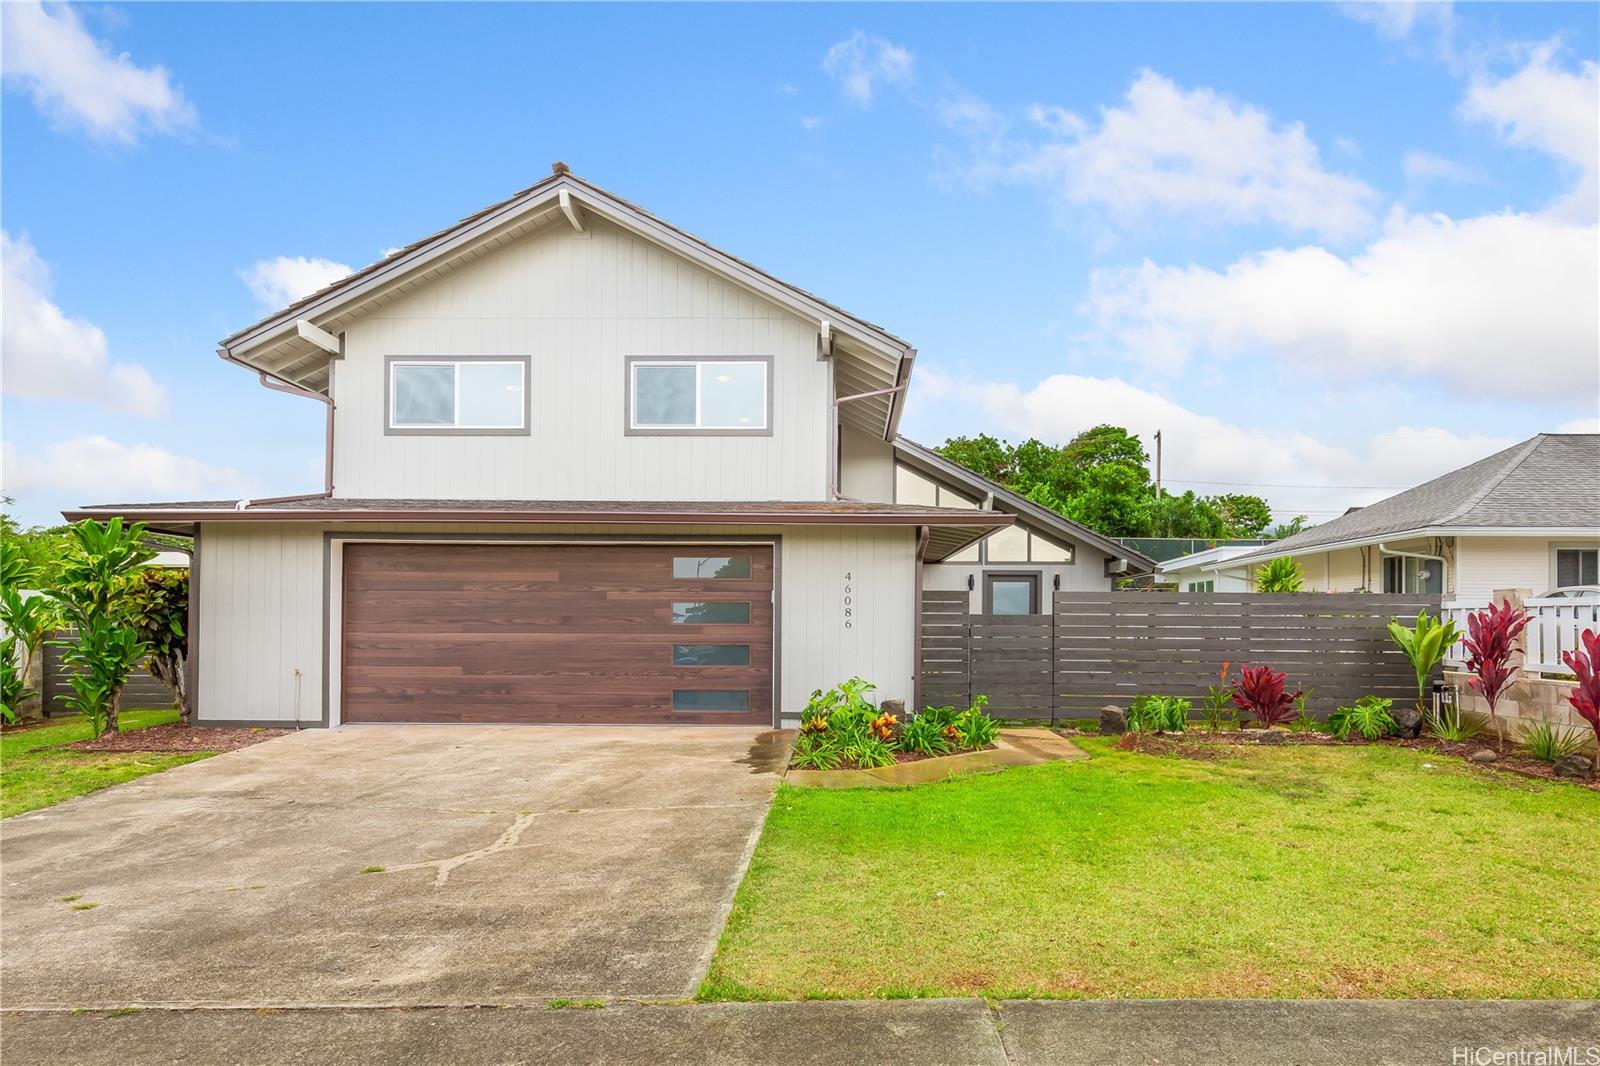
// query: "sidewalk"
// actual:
[[931, 1032]]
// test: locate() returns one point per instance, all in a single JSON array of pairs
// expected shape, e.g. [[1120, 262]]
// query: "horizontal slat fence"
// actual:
[[1011, 663], [946, 649], [142, 689], [1099, 648], [1113, 646]]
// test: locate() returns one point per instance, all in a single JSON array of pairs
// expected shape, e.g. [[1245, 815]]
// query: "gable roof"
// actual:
[[1547, 483], [873, 357], [929, 461]]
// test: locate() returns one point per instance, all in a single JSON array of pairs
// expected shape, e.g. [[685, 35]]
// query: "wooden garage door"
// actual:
[[557, 633]]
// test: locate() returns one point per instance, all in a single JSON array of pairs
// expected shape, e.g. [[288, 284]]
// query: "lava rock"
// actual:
[[1574, 766], [894, 707], [1112, 720], [1408, 723], [1269, 736], [1483, 756]]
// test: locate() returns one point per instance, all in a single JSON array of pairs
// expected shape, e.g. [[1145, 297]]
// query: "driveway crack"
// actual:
[[443, 867]]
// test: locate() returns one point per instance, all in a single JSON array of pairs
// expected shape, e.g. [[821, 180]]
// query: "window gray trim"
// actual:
[[628, 429], [452, 431], [1553, 547], [1034, 576]]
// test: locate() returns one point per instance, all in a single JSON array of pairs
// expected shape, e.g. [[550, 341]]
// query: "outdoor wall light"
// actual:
[[1057, 582], [972, 582]]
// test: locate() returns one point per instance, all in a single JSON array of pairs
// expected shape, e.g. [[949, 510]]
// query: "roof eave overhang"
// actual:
[[343, 298], [980, 521], [1268, 554]]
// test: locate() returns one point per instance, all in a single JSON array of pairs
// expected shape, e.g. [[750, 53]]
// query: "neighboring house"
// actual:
[[581, 467], [1524, 518], [1012, 571], [1212, 570]]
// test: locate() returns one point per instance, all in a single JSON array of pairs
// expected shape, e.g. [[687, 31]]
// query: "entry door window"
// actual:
[[1413, 576], [1011, 593]]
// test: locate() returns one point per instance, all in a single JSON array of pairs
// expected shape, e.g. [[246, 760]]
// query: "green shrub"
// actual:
[[1304, 720], [1159, 714], [868, 752], [1547, 743], [974, 727], [925, 735], [1218, 704], [1449, 723], [1282, 574], [1369, 717], [815, 751]]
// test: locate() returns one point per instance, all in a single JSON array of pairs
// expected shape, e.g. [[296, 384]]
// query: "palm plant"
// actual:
[[1425, 646], [1281, 575], [90, 590], [27, 621]]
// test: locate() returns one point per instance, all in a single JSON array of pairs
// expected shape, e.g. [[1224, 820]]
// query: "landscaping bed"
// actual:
[[842, 730], [175, 736], [1198, 745]]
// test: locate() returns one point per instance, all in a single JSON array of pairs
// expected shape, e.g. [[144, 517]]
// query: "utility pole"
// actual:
[[1158, 464]]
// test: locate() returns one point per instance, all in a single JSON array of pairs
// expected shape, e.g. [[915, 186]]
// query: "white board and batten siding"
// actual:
[[579, 306], [260, 627]]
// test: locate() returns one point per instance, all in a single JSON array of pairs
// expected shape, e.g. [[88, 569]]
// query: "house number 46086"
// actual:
[[849, 599]]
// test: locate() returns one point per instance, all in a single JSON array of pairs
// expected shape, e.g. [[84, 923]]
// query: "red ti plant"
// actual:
[[1585, 663], [1259, 691], [1491, 641]]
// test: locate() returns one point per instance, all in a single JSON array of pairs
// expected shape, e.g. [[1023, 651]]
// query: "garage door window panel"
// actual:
[[711, 655], [708, 613], [712, 701], [711, 567]]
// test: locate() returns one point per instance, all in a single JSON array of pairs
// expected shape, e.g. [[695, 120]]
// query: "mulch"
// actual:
[[1209, 747], [180, 738]]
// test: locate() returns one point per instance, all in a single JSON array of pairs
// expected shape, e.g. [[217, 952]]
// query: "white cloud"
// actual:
[[1204, 447], [861, 63], [1396, 20], [1551, 109], [77, 82], [1172, 151], [99, 470], [281, 281], [48, 356], [1426, 166], [1495, 305], [1580, 425], [811, 122]]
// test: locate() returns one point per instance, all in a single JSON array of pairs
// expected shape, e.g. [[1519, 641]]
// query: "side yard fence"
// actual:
[[1097, 648], [142, 689]]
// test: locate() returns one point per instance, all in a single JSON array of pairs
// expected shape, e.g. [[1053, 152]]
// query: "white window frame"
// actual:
[[698, 427], [455, 363], [1567, 546]]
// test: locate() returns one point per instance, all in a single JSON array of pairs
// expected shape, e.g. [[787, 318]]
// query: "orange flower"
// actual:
[[1222, 675]]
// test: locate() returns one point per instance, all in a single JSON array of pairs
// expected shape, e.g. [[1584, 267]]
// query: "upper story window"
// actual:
[[711, 396], [458, 395]]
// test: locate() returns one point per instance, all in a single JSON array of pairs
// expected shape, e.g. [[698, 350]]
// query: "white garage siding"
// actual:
[[260, 627]]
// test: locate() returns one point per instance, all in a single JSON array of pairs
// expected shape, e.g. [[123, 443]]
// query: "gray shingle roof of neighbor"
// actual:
[[1551, 481]]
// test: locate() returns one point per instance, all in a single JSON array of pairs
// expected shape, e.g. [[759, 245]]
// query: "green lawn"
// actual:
[[1280, 872], [35, 771]]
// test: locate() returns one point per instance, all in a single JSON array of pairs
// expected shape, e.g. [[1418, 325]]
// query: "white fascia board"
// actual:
[[548, 198]]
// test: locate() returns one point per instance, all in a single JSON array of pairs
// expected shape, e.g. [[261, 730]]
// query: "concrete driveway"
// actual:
[[518, 863]]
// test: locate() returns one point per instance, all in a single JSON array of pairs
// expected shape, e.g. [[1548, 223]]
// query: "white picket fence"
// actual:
[[1553, 629]]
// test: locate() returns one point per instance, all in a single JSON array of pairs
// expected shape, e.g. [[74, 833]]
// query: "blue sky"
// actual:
[[1323, 249]]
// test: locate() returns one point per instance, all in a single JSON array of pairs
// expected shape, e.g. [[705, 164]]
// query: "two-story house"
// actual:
[[584, 467]]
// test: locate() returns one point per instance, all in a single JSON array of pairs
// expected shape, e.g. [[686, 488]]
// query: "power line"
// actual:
[[1278, 485]]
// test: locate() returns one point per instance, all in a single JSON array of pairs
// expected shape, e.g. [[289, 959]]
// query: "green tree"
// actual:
[[40, 548], [983, 455], [159, 607], [1243, 516], [26, 621], [1298, 524], [91, 590]]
